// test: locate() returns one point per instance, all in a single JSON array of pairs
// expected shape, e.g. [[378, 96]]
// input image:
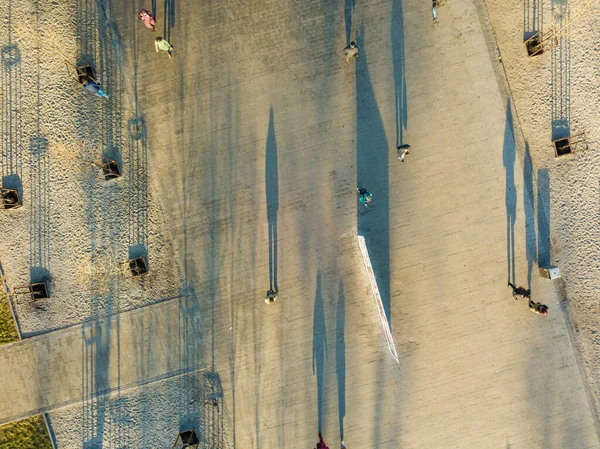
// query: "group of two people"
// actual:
[[364, 196], [522, 292], [160, 43]]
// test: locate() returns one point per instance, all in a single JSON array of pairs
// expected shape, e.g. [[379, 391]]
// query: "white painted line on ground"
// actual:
[[384, 321]]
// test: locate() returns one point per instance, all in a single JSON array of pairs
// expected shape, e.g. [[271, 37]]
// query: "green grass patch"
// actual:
[[25, 434], [30, 432], [8, 330]]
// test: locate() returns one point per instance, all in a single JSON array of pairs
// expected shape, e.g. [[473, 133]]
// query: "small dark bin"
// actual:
[[138, 266], [10, 199], [562, 147], [36, 290], [39, 291], [85, 74], [533, 47], [187, 439], [111, 169]]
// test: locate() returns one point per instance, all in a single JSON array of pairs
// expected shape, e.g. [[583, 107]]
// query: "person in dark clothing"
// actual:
[[538, 307], [271, 296], [520, 292], [364, 196], [93, 87]]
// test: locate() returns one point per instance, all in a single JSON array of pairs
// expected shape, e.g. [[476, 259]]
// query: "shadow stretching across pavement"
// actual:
[[319, 352], [272, 193], [340, 356], [508, 159], [372, 155]]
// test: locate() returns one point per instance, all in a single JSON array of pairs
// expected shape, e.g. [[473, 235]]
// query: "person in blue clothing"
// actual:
[[364, 196], [94, 87]]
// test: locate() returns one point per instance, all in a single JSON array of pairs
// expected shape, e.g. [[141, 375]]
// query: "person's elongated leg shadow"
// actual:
[[529, 207], [508, 157], [348, 9], [340, 356], [319, 348], [272, 189]]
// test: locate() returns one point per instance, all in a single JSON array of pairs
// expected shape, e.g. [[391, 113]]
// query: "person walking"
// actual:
[[351, 51], [93, 87], [520, 292], [402, 151], [271, 296], [148, 18], [434, 5], [321, 444], [162, 44], [538, 307], [364, 196]]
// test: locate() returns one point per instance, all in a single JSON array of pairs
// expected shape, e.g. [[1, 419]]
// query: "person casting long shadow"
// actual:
[[319, 348], [272, 191]]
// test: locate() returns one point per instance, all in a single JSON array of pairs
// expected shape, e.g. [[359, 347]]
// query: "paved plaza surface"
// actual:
[[259, 135]]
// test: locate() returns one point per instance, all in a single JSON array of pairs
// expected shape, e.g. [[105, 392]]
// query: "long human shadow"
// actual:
[[399, 65], [340, 356], [537, 243], [372, 168], [543, 217], [529, 208], [508, 158], [319, 353], [169, 18], [272, 192], [348, 10]]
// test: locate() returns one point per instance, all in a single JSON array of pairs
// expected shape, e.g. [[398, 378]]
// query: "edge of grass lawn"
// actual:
[[30, 432]]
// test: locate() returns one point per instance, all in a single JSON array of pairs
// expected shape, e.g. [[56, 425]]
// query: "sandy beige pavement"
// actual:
[[259, 133]]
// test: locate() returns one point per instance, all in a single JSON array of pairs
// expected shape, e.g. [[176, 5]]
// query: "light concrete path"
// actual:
[[84, 362], [260, 134]]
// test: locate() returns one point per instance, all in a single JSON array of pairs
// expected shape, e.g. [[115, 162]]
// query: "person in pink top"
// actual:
[[148, 19]]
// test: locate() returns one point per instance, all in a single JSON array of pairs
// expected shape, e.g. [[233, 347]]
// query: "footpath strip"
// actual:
[[53, 370]]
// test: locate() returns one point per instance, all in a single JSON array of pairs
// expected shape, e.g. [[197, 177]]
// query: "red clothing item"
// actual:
[[321, 444], [147, 17]]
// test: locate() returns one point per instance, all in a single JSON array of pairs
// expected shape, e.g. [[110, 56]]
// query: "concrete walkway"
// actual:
[[260, 144], [259, 135], [84, 362]]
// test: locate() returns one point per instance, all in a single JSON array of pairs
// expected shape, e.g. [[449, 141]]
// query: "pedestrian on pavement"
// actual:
[[162, 44], [93, 87], [402, 151], [538, 307], [148, 18], [321, 444], [520, 292], [351, 51], [364, 196], [271, 296], [434, 11]]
